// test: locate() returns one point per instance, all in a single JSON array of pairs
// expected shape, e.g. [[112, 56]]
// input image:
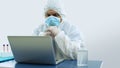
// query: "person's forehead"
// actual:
[[51, 11]]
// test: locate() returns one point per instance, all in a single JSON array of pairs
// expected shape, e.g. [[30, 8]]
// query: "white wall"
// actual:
[[99, 22]]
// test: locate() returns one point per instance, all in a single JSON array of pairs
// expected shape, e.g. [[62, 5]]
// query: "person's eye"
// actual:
[[56, 15], [48, 15]]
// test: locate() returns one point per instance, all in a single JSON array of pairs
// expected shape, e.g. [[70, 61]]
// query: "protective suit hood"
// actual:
[[55, 5]]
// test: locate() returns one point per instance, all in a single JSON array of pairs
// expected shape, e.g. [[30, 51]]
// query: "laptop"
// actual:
[[33, 49]]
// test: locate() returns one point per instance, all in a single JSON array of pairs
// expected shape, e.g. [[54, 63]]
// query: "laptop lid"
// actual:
[[32, 49]]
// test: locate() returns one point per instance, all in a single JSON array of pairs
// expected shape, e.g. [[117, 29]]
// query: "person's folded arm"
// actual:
[[68, 46]]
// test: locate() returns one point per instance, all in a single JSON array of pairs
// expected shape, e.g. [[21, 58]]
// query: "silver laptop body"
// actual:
[[33, 49]]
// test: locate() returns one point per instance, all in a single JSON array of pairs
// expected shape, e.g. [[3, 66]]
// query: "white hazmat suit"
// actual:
[[68, 39]]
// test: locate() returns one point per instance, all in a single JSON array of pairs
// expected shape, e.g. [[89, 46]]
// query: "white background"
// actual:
[[99, 22]]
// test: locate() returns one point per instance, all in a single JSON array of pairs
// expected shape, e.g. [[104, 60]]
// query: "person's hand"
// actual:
[[48, 33], [53, 31]]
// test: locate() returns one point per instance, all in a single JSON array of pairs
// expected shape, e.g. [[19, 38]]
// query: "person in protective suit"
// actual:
[[65, 34]]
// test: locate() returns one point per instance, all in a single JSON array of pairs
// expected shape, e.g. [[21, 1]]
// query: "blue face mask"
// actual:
[[52, 21]]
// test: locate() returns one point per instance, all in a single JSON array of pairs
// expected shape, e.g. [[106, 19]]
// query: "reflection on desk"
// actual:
[[64, 64]]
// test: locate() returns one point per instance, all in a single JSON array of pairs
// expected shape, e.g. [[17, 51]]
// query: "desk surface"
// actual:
[[64, 64]]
